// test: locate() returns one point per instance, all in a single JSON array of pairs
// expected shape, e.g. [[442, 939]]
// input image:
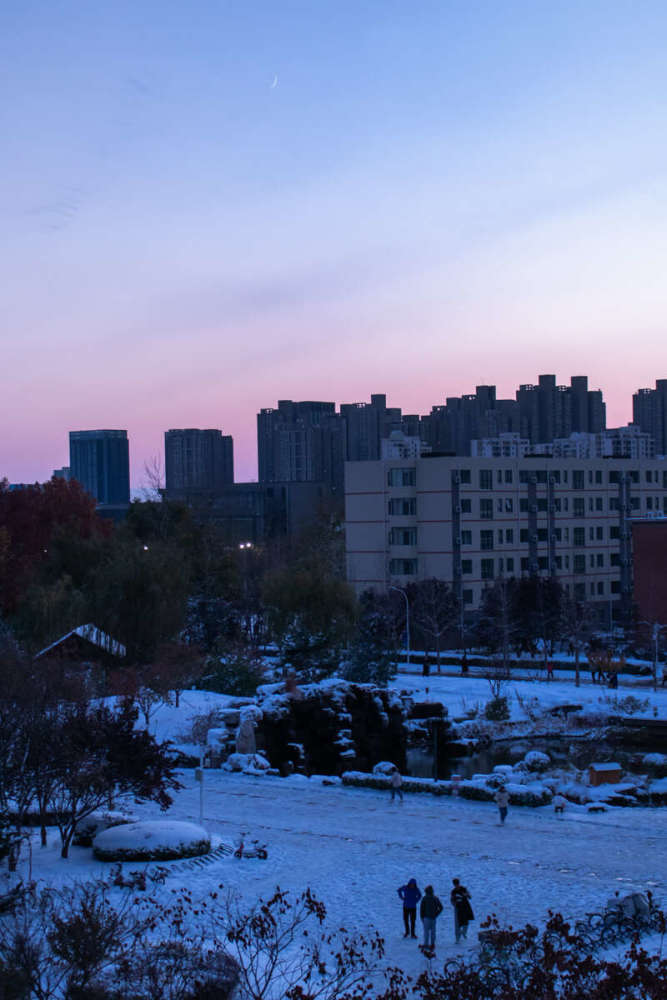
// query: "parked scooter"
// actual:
[[250, 848]]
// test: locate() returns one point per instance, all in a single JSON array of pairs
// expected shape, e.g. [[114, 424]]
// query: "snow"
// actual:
[[353, 847], [172, 835]]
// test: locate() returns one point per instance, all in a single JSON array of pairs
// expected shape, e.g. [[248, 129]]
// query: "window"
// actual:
[[466, 538], [591, 560], [558, 533], [579, 564], [599, 560], [614, 559], [578, 508], [543, 563], [590, 503], [524, 476], [464, 476], [542, 535], [508, 475], [509, 564], [402, 567], [579, 536], [486, 509], [664, 479], [578, 482], [613, 503], [467, 596], [557, 504], [487, 569], [649, 503], [466, 506], [649, 475], [559, 562], [401, 477], [486, 479], [403, 507], [500, 536], [580, 591], [542, 504], [591, 534], [403, 536], [509, 535], [555, 476], [524, 565], [565, 503], [634, 503], [598, 477], [598, 503], [486, 539], [466, 565], [634, 476], [499, 476], [523, 505], [499, 505], [523, 535], [541, 476], [615, 586], [614, 476], [600, 587], [614, 531], [599, 533], [509, 505]]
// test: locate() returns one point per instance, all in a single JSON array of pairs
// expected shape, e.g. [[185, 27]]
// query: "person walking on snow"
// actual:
[[460, 900], [502, 801], [395, 783], [429, 911], [410, 894]]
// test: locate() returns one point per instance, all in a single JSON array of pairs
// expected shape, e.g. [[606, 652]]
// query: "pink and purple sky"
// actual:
[[211, 206]]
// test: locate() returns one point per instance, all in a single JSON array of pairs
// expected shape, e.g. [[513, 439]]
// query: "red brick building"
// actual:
[[649, 560]]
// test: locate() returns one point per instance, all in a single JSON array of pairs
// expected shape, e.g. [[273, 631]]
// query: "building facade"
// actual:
[[100, 461], [470, 521], [197, 460], [649, 412]]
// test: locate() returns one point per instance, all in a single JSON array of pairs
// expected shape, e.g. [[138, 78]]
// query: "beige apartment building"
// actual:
[[471, 520]]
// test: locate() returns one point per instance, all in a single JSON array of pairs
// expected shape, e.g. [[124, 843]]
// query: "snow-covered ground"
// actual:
[[354, 848]]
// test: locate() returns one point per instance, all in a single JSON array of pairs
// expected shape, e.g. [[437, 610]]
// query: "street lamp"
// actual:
[[407, 620]]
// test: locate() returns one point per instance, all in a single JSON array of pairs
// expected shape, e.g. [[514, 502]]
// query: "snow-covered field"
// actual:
[[354, 848]]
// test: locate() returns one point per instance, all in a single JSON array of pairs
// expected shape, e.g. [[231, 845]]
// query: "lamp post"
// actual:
[[407, 620]]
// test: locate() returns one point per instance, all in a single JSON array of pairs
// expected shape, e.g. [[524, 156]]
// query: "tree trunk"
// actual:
[[576, 667], [42, 832]]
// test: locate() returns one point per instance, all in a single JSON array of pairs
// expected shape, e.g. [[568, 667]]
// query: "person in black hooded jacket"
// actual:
[[429, 911]]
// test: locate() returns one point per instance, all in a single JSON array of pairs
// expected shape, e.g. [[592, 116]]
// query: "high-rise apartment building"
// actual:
[[100, 461], [469, 521], [197, 460], [649, 412], [548, 411]]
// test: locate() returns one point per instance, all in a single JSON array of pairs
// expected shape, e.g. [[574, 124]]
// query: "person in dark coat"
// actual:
[[410, 894], [460, 900], [429, 911]]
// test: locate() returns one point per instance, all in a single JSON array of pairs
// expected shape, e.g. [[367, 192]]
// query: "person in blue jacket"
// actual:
[[410, 894]]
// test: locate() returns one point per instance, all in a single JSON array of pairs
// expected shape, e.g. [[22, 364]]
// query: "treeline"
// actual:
[[190, 608]]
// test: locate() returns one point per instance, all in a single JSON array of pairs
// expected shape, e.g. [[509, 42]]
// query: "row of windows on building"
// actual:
[[579, 480], [489, 538], [580, 506]]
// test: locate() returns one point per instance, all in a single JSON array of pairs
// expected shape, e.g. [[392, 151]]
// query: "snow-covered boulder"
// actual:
[[248, 763], [155, 840], [384, 767], [535, 760]]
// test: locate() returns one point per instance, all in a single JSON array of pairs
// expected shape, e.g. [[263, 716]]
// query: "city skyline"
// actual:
[[207, 208], [143, 470]]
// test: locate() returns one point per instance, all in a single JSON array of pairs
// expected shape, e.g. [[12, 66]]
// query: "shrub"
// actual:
[[497, 710], [159, 840]]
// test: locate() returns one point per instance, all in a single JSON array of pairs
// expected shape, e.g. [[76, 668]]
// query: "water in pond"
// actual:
[[563, 753]]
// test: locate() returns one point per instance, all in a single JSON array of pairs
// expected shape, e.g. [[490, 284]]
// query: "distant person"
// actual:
[[429, 911], [426, 665], [464, 664], [396, 784], [550, 670], [460, 900], [502, 801], [410, 894]]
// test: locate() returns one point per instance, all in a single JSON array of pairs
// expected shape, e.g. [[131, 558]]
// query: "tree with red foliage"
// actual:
[[30, 519]]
